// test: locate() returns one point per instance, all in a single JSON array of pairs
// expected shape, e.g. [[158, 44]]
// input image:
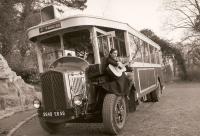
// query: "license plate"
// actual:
[[53, 114]]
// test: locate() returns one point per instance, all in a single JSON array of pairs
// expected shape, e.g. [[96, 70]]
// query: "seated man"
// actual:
[[90, 58], [117, 85]]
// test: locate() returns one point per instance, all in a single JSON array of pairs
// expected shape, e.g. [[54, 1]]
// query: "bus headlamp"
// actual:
[[36, 103], [78, 100]]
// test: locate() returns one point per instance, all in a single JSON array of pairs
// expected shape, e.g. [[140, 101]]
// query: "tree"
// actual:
[[16, 17], [78, 4], [194, 52], [7, 25], [187, 13]]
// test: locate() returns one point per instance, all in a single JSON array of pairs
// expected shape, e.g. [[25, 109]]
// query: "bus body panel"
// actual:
[[146, 79]]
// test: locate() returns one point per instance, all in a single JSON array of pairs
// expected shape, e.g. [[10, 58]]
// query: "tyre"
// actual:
[[155, 95], [131, 102], [114, 113], [51, 128], [149, 97]]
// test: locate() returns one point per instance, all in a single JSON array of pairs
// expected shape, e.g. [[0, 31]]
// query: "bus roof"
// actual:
[[82, 20]]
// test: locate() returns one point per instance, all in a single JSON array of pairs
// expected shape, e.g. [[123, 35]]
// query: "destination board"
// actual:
[[50, 27]]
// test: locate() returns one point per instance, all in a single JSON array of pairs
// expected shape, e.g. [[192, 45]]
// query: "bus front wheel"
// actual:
[[114, 113]]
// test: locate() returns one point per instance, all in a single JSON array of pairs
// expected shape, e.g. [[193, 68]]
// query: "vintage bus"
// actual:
[[70, 53]]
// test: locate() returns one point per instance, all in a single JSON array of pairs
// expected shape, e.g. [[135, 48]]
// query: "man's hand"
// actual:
[[120, 65]]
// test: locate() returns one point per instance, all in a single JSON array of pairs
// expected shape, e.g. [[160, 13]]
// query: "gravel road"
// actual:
[[177, 114]]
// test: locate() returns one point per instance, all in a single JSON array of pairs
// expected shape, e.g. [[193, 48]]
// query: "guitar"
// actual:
[[117, 71]]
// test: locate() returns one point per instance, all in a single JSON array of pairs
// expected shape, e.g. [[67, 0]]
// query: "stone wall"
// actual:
[[13, 90]]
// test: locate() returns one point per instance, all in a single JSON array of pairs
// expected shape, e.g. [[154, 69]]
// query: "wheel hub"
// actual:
[[119, 112]]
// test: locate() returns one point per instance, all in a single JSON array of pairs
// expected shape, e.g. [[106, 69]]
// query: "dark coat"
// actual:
[[116, 85]]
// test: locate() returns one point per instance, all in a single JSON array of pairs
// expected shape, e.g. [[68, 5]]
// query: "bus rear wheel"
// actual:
[[155, 95], [114, 113]]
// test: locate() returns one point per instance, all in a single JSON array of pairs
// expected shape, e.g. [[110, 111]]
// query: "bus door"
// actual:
[[105, 41], [103, 44]]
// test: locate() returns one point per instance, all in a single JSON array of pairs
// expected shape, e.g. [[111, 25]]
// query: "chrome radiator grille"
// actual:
[[53, 90], [77, 84]]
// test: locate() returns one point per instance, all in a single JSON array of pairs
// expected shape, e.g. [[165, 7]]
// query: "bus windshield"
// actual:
[[79, 42], [75, 43]]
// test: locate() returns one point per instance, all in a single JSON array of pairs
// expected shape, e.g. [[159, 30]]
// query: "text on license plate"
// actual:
[[53, 114]]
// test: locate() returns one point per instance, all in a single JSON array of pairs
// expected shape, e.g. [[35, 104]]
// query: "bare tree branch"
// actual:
[[191, 3], [190, 10], [181, 11], [197, 6]]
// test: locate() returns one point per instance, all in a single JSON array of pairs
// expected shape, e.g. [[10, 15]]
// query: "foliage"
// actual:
[[196, 56], [78, 4], [194, 52], [7, 25], [30, 76], [168, 49], [16, 17], [194, 74]]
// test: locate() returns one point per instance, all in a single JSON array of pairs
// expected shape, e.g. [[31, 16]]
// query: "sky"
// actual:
[[140, 14]]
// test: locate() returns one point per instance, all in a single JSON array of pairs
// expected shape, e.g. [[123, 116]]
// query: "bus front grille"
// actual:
[[53, 91]]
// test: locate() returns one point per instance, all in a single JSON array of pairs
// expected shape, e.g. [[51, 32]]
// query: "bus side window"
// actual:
[[157, 56], [138, 56], [135, 48], [145, 52], [152, 54]]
